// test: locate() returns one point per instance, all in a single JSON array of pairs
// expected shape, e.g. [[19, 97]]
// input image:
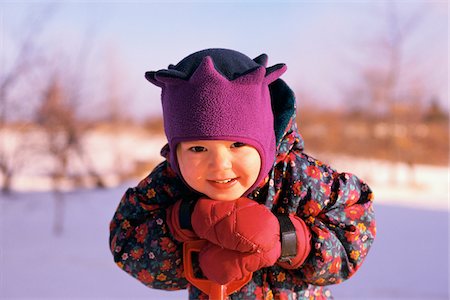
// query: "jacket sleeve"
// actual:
[[337, 208], [140, 239]]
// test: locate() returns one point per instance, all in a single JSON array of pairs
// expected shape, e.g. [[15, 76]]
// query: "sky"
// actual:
[[323, 43]]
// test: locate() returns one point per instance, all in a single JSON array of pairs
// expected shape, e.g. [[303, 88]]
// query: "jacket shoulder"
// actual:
[[162, 185]]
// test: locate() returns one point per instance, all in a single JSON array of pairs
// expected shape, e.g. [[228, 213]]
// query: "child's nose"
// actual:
[[220, 160]]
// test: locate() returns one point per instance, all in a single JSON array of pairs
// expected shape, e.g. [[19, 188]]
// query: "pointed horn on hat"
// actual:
[[261, 60], [255, 76], [205, 69], [162, 77], [274, 72], [150, 76]]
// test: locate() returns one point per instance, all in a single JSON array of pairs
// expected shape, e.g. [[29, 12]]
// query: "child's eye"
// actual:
[[197, 149], [238, 145]]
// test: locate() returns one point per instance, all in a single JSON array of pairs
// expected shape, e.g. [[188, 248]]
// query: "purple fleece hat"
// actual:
[[219, 94]]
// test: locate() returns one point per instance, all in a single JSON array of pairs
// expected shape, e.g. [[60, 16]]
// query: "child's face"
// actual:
[[221, 170]]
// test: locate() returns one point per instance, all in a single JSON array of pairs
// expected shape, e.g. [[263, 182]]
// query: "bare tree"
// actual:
[[59, 118], [28, 57], [387, 93]]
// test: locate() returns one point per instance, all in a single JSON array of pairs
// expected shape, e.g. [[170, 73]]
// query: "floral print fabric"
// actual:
[[337, 207]]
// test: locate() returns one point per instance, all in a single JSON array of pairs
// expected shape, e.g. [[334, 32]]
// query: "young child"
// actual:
[[235, 174]]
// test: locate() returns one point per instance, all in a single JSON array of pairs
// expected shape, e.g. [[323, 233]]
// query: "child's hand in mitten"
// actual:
[[225, 265], [242, 225]]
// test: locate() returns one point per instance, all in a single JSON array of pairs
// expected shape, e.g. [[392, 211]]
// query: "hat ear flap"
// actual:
[[261, 60], [274, 72]]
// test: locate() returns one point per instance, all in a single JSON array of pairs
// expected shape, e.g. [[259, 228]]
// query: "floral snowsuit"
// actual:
[[337, 207]]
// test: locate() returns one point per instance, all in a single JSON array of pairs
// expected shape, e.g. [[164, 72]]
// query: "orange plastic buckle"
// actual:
[[214, 290]]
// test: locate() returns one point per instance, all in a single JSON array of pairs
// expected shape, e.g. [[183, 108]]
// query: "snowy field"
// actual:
[[409, 259]]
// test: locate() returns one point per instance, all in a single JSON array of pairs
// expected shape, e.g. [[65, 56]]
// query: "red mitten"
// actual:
[[173, 221], [224, 265], [242, 225]]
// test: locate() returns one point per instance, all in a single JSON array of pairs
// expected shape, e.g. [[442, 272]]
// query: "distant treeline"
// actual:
[[416, 137]]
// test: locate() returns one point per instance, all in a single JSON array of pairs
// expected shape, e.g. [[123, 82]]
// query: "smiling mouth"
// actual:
[[223, 181], [224, 184]]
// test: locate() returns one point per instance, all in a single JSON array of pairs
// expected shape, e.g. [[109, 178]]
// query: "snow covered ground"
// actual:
[[409, 259]]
